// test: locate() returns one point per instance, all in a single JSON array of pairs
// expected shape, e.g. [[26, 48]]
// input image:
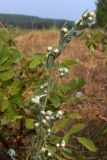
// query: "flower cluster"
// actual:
[[64, 30], [88, 18], [63, 72], [44, 87], [46, 122], [46, 150], [53, 52], [36, 99], [47, 119], [62, 144]]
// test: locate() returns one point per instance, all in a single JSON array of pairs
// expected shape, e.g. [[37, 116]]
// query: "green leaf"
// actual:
[[67, 63], [5, 76], [7, 65], [73, 85], [55, 100], [4, 105], [67, 153], [4, 121], [15, 87], [60, 125], [76, 128], [34, 63], [87, 143], [74, 116], [40, 56], [29, 123], [11, 113], [4, 36], [58, 157], [16, 54], [17, 99], [105, 130], [54, 139], [4, 55]]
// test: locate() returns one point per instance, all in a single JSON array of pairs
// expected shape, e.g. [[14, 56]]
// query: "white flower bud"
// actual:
[[92, 14], [42, 87], [43, 149], [66, 70], [49, 48], [43, 112], [61, 74], [90, 19], [49, 130], [36, 99], [57, 145], [47, 118], [52, 118], [44, 121], [63, 143], [45, 84], [60, 113], [65, 30], [60, 69], [57, 116], [56, 50], [49, 154], [49, 113], [37, 125], [45, 91]]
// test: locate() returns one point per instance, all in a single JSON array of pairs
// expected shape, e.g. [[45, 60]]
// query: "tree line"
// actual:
[[31, 22]]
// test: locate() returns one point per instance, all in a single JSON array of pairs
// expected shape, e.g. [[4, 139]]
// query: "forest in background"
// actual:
[[31, 22]]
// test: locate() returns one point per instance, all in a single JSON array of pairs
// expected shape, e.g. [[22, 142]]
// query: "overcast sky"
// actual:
[[63, 9]]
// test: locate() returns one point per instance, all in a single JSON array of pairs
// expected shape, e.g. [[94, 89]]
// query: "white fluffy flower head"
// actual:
[[49, 154], [56, 50], [65, 30], [50, 48], [36, 125], [36, 99], [63, 143], [49, 113]]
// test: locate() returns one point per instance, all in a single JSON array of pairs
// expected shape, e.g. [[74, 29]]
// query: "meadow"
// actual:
[[89, 107]]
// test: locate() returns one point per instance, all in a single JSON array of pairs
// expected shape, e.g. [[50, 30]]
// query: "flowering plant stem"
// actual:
[[45, 119], [49, 81]]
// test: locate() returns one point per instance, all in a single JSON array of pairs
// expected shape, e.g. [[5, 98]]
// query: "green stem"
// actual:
[[49, 81]]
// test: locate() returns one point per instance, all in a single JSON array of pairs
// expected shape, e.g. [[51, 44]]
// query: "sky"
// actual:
[[59, 9]]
